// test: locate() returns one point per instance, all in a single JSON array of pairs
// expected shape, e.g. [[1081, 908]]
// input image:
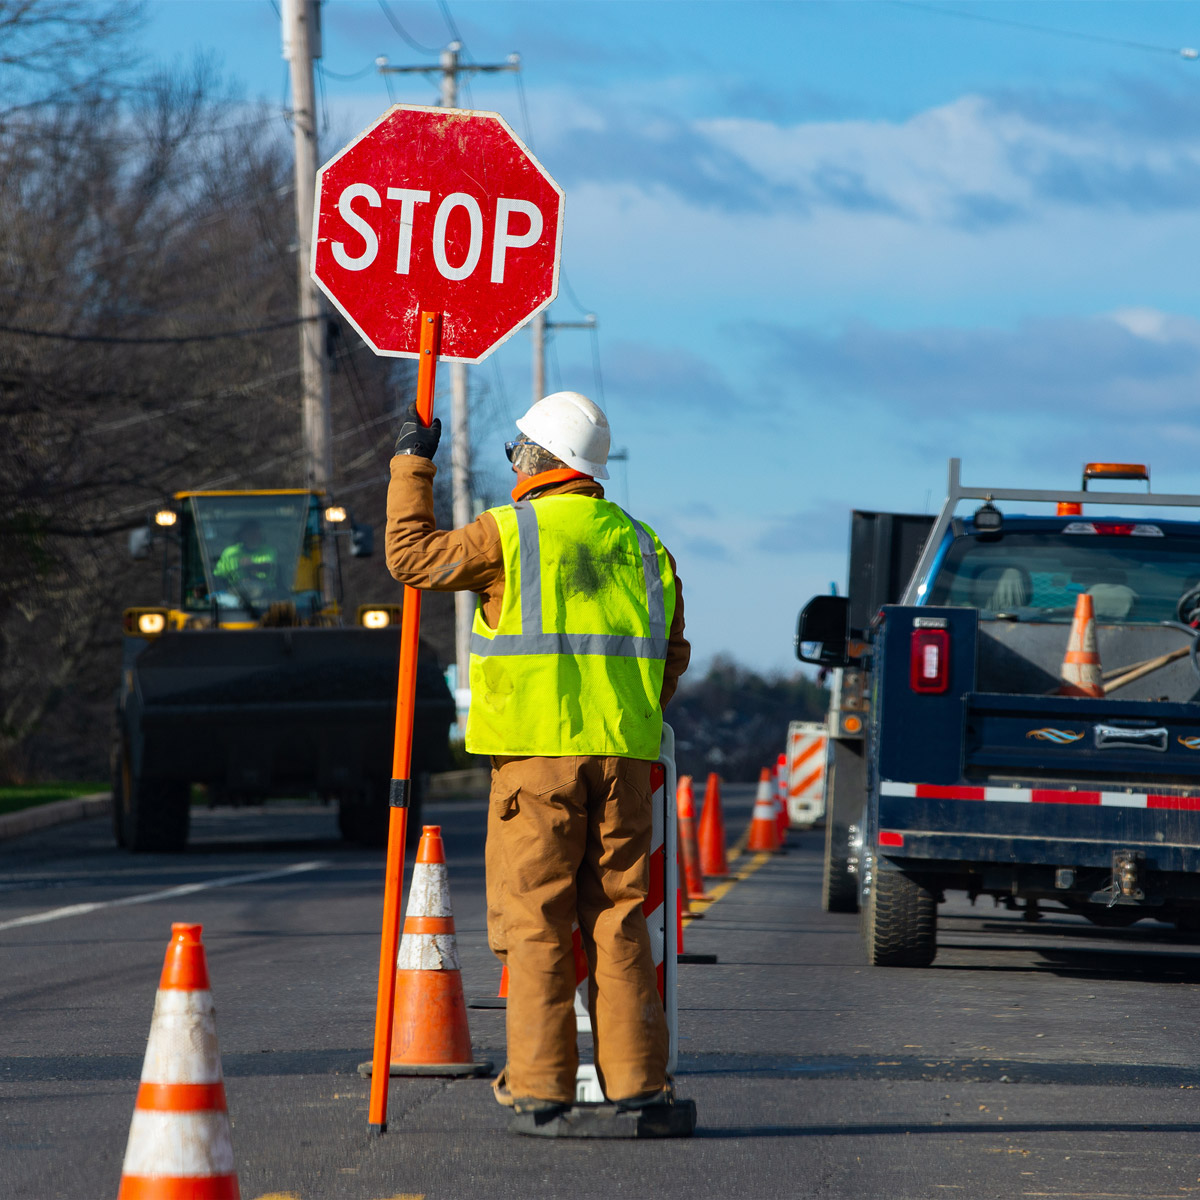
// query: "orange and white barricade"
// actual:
[[806, 747], [660, 909]]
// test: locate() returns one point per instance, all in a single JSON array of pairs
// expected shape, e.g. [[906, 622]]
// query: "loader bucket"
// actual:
[[256, 712]]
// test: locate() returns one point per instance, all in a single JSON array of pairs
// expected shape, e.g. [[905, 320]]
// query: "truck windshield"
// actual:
[[1036, 576], [253, 551]]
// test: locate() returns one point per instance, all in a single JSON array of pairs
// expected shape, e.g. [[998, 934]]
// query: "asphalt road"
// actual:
[[1045, 1060]]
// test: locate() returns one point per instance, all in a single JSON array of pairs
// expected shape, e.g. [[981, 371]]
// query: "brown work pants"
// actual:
[[569, 841]]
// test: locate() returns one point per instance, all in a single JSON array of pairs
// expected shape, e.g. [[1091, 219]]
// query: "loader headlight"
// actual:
[[335, 514], [145, 622], [166, 517], [379, 616]]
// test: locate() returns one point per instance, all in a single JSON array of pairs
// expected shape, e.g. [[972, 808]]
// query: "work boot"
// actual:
[[500, 1089], [657, 1099], [539, 1109]]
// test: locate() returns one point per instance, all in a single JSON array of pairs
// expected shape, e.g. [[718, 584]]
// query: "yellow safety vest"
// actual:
[[575, 662]]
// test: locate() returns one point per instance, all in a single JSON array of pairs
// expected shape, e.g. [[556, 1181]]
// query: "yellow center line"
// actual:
[[699, 907]]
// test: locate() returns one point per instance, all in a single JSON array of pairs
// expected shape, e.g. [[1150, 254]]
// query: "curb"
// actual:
[[57, 812]]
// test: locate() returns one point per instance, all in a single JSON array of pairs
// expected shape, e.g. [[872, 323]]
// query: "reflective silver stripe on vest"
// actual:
[[534, 640], [531, 567], [656, 605], [611, 645]]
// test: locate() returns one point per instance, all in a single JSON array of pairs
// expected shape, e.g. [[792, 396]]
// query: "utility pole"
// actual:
[[538, 328], [450, 68], [301, 44]]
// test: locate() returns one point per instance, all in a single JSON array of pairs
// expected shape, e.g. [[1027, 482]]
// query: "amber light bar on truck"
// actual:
[[929, 663], [1138, 471]]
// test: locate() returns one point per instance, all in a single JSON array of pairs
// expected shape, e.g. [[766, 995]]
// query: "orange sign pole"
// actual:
[[406, 691]]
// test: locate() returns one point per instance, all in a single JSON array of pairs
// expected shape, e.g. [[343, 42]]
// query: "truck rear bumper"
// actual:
[[1034, 826]]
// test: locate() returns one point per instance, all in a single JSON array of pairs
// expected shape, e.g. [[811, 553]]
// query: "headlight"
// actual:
[[145, 622], [335, 514], [376, 618], [166, 517]]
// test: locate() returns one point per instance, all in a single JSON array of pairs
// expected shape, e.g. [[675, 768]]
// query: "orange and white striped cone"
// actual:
[[712, 831], [689, 850], [763, 829], [430, 1035], [179, 1142], [781, 809], [1081, 671]]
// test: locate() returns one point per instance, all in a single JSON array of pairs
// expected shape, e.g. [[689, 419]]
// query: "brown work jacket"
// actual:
[[470, 559]]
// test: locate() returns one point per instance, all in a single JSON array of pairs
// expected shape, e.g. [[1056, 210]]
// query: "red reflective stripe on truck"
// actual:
[[1188, 802], [936, 791], [1050, 796]]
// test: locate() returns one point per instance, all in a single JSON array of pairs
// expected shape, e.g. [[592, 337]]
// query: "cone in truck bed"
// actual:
[[1081, 671]]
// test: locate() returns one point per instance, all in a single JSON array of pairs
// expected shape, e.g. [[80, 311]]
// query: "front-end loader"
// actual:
[[246, 681]]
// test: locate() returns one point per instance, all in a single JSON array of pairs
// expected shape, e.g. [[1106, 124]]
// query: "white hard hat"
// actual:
[[572, 428]]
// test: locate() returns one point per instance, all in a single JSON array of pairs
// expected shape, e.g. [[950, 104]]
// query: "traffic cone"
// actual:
[[781, 809], [429, 1021], [179, 1144], [682, 900], [685, 815], [1081, 669], [502, 994], [712, 831], [764, 828]]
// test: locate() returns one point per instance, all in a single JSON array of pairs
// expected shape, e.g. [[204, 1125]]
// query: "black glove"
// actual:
[[416, 438]]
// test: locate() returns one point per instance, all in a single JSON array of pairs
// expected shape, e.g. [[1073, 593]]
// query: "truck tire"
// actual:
[[363, 813], [900, 922], [839, 888], [154, 814], [118, 769]]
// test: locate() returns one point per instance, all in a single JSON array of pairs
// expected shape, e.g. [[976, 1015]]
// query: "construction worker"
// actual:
[[576, 646], [249, 565]]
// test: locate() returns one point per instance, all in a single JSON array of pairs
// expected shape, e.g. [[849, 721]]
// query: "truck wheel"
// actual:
[[900, 922], [154, 814], [119, 770], [839, 889], [363, 813]]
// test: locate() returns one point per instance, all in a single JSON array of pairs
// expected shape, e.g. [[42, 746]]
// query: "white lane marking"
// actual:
[[186, 889]]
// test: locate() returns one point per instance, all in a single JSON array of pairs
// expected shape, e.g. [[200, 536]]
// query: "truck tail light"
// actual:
[[930, 673]]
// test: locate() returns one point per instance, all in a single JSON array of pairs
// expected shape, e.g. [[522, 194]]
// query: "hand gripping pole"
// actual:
[[406, 690]]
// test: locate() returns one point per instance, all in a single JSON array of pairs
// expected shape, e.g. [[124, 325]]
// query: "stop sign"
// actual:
[[437, 210]]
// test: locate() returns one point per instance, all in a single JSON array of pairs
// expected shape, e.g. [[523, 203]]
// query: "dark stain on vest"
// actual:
[[580, 573]]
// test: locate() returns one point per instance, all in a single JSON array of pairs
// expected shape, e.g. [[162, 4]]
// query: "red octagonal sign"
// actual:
[[437, 210]]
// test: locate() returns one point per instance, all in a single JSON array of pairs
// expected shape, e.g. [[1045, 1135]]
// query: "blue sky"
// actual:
[[829, 245]]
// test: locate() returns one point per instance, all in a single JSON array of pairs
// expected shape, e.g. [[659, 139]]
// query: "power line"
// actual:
[[1187, 52], [387, 12], [348, 78], [454, 33], [524, 110], [102, 339]]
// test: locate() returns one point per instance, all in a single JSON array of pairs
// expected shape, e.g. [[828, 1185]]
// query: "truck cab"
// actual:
[[983, 769]]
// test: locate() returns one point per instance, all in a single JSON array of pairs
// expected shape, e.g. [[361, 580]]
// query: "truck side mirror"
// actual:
[[362, 541], [139, 542], [824, 631]]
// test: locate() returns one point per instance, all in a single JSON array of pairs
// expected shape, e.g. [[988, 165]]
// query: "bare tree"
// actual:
[[147, 346]]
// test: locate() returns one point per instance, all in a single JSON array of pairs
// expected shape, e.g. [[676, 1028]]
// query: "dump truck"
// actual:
[[246, 681], [962, 759]]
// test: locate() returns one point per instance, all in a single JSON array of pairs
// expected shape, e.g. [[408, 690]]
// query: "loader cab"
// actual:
[[243, 553]]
